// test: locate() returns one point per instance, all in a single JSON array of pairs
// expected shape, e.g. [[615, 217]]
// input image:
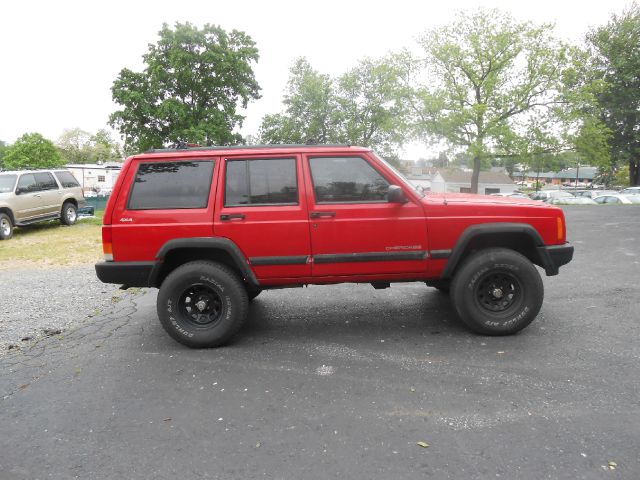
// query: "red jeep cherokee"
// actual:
[[213, 227]]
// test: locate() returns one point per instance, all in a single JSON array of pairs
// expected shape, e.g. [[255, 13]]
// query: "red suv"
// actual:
[[213, 227]]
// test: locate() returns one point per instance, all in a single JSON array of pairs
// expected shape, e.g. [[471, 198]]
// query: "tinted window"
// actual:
[[27, 183], [7, 182], [46, 181], [261, 182], [347, 179], [164, 185], [67, 180]]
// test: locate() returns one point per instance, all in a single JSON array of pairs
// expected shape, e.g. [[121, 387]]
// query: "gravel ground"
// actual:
[[38, 303]]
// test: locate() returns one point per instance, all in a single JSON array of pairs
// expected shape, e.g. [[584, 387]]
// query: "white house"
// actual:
[[97, 177], [458, 181]]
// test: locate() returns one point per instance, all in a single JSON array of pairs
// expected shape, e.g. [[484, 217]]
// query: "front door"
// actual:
[[28, 198], [354, 229], [260, 207]]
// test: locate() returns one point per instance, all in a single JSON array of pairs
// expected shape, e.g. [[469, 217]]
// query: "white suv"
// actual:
[[31, 196]]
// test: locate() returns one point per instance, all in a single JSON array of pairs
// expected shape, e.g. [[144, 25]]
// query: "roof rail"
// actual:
[[185, 146]]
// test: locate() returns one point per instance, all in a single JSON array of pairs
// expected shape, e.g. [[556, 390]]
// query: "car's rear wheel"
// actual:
[[6, 227], [497, 292], [69, 214], [202, 304]]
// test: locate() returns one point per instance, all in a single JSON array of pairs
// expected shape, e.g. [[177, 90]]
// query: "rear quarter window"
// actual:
[[171, 185], [67, 180]]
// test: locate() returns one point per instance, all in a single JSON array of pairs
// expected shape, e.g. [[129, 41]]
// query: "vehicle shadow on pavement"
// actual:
[[336, 312]]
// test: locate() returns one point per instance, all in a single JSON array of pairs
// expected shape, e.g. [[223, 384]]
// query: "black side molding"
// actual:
[[370, 257], [217, 243], [296, 260], [544, 257]]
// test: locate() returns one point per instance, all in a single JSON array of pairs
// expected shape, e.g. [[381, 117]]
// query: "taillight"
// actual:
[[107, 246]]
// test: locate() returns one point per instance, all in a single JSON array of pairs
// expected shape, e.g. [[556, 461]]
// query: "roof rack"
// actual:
[[187, 147]]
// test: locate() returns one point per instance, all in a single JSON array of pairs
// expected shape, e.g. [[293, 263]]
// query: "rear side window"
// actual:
[[347, 180], [261, 182], [46, 181], [67, 180], [169, 185]]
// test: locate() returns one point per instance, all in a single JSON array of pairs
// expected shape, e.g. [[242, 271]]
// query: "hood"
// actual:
[[469, 198]]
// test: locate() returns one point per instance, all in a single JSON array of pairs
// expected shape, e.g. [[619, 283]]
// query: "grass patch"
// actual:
[[52, 244]]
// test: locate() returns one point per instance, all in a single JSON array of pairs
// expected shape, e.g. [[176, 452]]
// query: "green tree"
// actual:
[[3, 150], [361, 107], [371, 113], [616, 61], [79, 146], [310, 109], [489, 80], [190, 90], [32, 151]]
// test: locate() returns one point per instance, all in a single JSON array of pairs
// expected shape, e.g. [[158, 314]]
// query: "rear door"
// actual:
[[354, 229], [51, 194], [261, 207], [164, 199]]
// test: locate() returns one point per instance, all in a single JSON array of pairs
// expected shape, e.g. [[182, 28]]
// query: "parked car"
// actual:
[[548, 195], [511, 194], [631, 191], [32, 196], [572, 201], [593, 193], [213, 227], [617, 199]]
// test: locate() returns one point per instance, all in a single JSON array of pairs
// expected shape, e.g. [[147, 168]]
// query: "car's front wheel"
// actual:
[[6, 227], [202, 304], [69, 214], [497, 292]]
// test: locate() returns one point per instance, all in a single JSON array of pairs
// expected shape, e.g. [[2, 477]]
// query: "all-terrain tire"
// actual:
[[202, 304], [6, 227], [69, 214], [497, 291]]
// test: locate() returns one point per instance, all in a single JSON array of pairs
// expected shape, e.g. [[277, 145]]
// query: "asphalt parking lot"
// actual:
[[344, 381]]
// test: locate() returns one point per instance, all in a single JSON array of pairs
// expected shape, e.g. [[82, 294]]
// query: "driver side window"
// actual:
[[347, 180]]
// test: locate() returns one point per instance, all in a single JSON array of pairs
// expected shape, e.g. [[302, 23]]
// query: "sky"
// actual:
[[58, 59]]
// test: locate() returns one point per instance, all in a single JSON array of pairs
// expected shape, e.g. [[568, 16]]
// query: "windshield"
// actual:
[[7, 182], [417, 188]]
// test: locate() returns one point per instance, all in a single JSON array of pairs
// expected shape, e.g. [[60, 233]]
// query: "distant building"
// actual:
[[96, 177], [458, 181], [583, 175]]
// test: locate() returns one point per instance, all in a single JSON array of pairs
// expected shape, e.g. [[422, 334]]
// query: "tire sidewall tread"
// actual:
[[463, 290], [220, 278]]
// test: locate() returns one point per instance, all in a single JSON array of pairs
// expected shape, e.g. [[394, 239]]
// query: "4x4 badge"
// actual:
[[126, 219]]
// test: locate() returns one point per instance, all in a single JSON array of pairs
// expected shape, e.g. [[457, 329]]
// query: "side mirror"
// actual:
[[20, 191], [395, 194]]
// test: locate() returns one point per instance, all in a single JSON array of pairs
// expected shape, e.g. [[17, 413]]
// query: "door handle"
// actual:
[[322, 214], [226, 218]]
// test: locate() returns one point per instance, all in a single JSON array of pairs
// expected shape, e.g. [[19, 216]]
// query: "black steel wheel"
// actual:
[[202, 304], [497, 291]]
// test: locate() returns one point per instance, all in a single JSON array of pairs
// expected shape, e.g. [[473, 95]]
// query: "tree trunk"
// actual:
[[634, 172], [476, 174]]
